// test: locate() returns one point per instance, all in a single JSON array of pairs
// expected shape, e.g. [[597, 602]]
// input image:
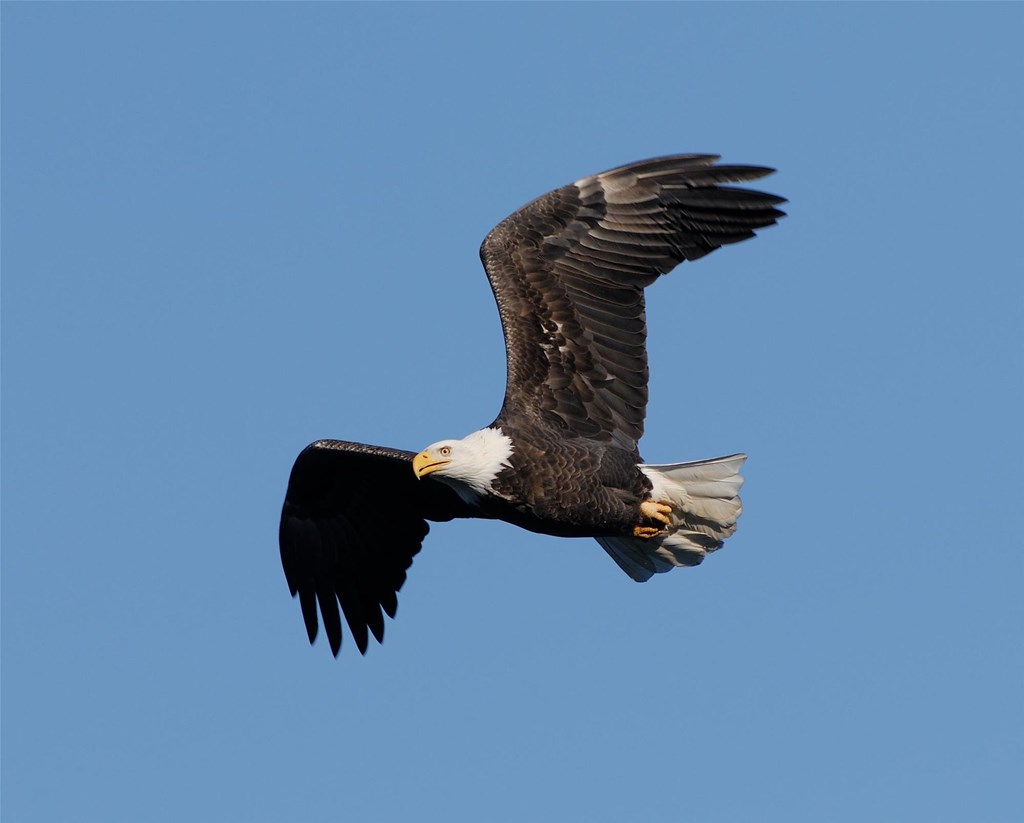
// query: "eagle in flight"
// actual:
[[568, 273]]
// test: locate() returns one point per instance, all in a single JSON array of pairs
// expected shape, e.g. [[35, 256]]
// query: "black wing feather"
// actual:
[[568, 272], [354, 517]]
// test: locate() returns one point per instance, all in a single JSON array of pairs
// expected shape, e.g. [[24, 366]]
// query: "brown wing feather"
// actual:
[[569, 269], [354, 517]]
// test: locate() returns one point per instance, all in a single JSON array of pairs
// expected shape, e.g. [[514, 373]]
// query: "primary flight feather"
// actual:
[[568, 273]]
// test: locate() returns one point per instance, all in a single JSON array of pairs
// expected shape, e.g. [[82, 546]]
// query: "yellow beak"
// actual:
[[423, 464]]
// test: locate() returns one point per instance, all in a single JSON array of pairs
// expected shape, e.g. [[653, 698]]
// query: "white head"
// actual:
[[473, 461]]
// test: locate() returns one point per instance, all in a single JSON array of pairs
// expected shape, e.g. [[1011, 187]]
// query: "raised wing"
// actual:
[[354, 517], [569, 269]]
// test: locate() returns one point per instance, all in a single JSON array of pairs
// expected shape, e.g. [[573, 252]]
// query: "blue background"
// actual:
[[231, 229]]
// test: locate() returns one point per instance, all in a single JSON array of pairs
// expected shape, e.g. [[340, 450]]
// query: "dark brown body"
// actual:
[[584, 488]]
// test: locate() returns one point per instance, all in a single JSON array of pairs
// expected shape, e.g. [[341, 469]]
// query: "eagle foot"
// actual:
[[656, 511], [652, 510]]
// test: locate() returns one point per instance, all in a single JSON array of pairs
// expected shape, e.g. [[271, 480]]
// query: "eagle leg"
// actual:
[[652, 510]]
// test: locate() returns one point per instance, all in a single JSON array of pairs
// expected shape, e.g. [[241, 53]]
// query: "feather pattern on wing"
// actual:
[[568, 272]]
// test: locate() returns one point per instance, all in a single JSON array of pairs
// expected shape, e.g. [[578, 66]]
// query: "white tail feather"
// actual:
[[704, 496]]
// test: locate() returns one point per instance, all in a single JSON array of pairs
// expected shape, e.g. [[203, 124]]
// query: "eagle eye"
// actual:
[[444, 451]]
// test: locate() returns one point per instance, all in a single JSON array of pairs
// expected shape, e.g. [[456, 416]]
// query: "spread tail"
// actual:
[[704, 496]]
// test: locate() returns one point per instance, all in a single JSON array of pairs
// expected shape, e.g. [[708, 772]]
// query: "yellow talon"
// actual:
[[645, 532], [656, 511]]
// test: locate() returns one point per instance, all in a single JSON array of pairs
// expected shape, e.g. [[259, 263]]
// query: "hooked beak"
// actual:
[[423, 464]]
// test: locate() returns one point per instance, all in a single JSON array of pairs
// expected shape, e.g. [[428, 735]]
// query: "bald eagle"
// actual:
[[568, 272]]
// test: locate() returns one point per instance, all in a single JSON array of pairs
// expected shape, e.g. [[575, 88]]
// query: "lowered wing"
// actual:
[[354, 517]]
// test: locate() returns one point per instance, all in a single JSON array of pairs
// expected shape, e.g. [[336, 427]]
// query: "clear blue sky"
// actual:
[[225, 228]]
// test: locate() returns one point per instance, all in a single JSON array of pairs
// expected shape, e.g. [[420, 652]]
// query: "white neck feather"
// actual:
[[482, 455]]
